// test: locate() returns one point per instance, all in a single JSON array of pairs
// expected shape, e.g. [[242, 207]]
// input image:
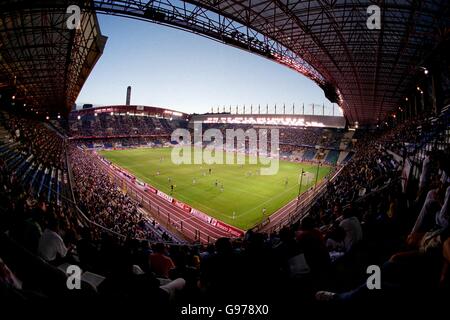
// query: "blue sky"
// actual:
[[182, 71]]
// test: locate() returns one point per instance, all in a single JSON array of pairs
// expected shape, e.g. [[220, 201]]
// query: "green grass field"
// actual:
[[243, 194]]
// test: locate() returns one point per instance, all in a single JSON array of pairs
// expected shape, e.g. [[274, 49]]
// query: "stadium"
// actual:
[[275, 209]]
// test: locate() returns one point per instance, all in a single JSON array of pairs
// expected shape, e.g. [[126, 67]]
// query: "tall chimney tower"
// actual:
[[128, 95]]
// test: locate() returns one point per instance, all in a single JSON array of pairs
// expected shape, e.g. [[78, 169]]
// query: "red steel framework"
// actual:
[[366, 71]]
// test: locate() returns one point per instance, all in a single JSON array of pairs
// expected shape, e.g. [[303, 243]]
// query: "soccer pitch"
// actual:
[[241, 193]]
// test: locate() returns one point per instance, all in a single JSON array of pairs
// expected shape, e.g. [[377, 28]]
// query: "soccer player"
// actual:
[[216, 183], [286, 182], [171, 188], [193, 181], [210, 170], [264, 211]]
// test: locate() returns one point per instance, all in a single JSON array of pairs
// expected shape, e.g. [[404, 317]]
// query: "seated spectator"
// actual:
[[432, 213], [352, 228], [51, 245], [428, 269], [425, 173], [312, 243], [160, 263]]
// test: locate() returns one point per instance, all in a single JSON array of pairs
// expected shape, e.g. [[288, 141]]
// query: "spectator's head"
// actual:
[[348, 212], [223, 246], [52, 224]]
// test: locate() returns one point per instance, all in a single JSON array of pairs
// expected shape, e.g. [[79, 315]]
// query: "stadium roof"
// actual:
[[372, 68], [42, 62], [368, 71], [133, 109]]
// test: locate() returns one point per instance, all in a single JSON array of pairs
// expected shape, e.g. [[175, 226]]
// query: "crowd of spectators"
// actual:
[[36, 237], [37, 139], [405, 134], [99, 198], [36, 231], [103, 201], [28, 215], [296, 136], [106, 125], [110, 208], [328, 138], [403, 138], [371, 167], [364, 218], [123, 142]]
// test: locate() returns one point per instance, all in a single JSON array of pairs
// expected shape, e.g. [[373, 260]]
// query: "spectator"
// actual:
[[352, 228], [312, 243], [160, 263], [51, 245]]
